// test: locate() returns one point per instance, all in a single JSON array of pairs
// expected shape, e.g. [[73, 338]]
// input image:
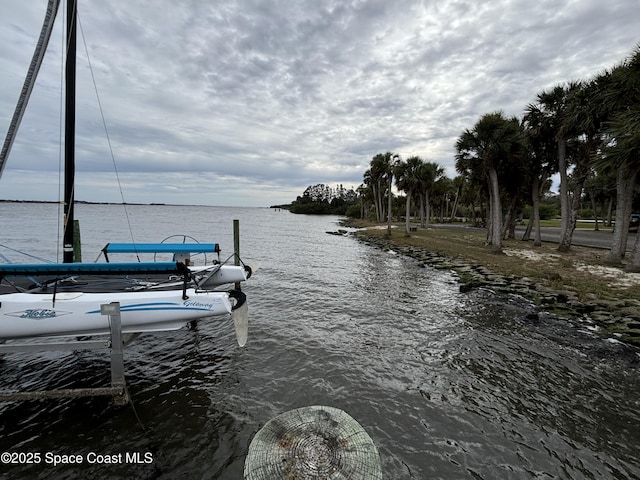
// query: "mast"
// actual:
[[70, 131], [29, 81]]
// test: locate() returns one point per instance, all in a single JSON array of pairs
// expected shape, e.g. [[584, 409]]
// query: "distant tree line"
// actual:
[[323, 199], [586, 131]]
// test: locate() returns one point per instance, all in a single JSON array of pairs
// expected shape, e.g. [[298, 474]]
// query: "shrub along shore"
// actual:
[[577, 285]]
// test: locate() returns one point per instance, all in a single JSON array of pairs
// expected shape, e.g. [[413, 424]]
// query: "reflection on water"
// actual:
[[448, 385]]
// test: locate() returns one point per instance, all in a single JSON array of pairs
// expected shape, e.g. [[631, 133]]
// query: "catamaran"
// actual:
[[64, 299]]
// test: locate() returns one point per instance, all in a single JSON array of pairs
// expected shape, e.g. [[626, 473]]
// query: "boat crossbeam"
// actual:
[[115, 392], [118, 388]]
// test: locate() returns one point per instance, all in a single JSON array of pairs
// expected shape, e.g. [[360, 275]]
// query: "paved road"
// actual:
[[582, 237]]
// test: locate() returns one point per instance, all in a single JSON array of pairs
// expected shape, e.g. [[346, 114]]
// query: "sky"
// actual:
[[248, 102]]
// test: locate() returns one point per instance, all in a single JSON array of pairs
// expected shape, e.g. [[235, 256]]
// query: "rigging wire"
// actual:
[[106, 130], [29, 81], [35, 257]]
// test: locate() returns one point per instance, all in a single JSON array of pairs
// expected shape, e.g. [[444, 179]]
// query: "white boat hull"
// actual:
[[220, 275], [25, 315]]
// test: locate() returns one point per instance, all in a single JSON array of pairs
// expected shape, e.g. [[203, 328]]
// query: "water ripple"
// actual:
[[449, 385]]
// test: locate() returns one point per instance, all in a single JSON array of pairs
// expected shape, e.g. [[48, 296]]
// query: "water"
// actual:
[[448, 385]]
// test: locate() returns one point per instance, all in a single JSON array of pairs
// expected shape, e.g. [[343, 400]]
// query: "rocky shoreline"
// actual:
[[610, 318]]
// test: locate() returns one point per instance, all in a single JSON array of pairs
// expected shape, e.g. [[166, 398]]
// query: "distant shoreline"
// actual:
[[78, 202], [86, 202]]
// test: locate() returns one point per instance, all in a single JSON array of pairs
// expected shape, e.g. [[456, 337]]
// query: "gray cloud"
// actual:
[[248, 102]]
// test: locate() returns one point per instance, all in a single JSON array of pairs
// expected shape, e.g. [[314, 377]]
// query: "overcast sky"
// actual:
[[246, 103]]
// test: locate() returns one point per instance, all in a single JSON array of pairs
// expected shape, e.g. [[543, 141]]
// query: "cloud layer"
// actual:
[[248, 102]]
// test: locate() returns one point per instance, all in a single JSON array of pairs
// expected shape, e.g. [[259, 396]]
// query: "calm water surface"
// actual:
[[448, 385]]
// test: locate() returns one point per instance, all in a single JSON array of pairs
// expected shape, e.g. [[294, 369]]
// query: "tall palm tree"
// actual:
[[553, 106], [365, 195], [620, 99], [370, 183], [475, 180], [458, 185], [429, 173], [392, 159], [408, 180], [542, 161], [441, 194], [582, 120], [494, 140], [378, 176]]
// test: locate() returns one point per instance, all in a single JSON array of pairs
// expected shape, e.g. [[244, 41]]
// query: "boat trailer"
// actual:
[[115, 344]]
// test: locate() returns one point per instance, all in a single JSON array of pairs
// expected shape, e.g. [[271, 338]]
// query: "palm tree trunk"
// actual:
[[634, 261], [536, 191], [624, 198], [506, 221], [566, 235], [407, 223], [375, 202], [564, 193], [526, 236], [595, 211], [580, 174], [488, 220], [509, 226], [389, 212], [380, 203], [496, 212], [454, 208], [534, 187]]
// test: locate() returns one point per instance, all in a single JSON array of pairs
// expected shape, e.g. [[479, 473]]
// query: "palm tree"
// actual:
[[514, 178], [542, 161], [377, 176], [475, 192], [553, 106], [494, 141], [429, 173], [408, 180], [365, 195], [370, 183], [458, 184], [596, 188], [441, 194], [582, 119], [620, 99], [392, 159]]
